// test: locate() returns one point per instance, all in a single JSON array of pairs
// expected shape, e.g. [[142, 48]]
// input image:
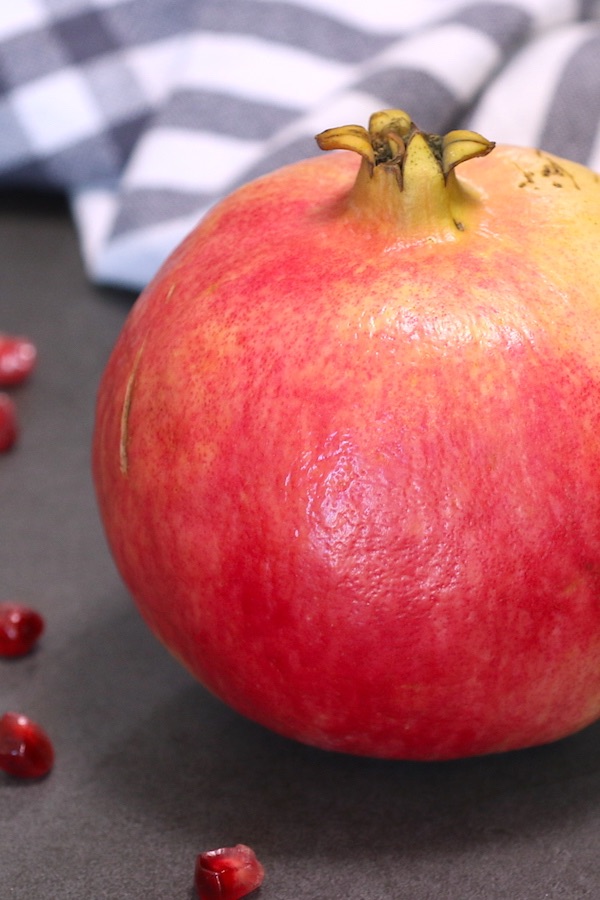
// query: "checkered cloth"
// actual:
[[147, 111]]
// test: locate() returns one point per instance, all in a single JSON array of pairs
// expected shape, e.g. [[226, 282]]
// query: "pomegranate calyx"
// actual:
[[459, 146], [388, 138], [430, 203]]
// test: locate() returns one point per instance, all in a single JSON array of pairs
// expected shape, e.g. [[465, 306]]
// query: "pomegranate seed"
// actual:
[[20, 628], [25, 749], [8, 422], [228, 873], [17, 359]]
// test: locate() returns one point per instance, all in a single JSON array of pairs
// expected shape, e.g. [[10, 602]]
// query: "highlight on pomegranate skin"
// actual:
[[26, 751], [20, 629], [18, 356], [228, 873]]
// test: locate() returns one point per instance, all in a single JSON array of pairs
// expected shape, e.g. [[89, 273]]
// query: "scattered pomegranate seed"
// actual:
[[8, 422], [20, 628], [228, 873], [17, 359], [25, 749]]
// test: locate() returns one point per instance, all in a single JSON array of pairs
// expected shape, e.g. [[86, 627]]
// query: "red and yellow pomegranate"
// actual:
[[347, 449]]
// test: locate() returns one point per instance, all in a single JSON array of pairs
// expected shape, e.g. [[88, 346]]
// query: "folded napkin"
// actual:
[[146, 112]]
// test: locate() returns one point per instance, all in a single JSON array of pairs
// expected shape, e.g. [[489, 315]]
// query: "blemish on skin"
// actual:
[[124, 427], [170, 292], [552, 168], [528, 177]]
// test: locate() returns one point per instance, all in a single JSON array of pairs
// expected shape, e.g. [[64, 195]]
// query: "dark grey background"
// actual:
[[150, 769]]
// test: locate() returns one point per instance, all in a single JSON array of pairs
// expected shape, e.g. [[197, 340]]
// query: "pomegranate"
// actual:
[[18, 357], [346, 447], [26, 751], [20, 629], [229, 873]]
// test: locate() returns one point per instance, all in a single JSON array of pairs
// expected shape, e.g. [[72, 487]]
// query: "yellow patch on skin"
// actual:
[[124, 432]]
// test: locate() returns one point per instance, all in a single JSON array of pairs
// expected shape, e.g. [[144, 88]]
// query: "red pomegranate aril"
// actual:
[[228, 873], [18, 357], [9, 428], [20, 629], [26, 751]]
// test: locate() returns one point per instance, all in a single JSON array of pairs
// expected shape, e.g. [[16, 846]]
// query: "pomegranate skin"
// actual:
[[352, 477]]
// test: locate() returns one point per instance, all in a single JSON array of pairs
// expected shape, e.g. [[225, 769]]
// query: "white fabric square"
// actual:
[[385, 16], [17, 16], [189, 161], [94, 210], [154, 66], [454, 54], [131, 260], [56, 111], [514, 107], [262, 70], [549, 15]]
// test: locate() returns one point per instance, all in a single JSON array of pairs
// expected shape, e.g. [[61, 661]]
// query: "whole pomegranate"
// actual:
[[347, 449]]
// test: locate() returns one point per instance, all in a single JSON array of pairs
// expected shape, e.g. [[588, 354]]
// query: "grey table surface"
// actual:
[[151, 769]]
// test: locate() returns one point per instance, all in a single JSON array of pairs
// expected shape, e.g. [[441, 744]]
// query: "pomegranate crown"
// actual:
[[390, 134]]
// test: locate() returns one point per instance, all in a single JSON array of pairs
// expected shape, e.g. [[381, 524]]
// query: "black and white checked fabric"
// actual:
[[148, 111]]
